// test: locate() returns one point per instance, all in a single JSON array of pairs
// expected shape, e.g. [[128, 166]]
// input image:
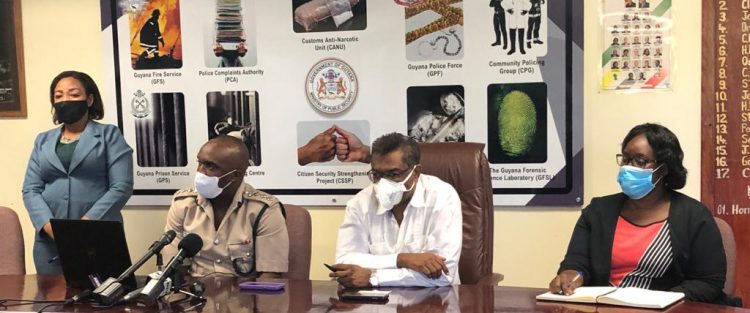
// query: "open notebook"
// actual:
[[628, 296]]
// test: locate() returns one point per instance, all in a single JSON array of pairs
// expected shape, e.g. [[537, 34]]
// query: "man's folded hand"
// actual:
[[429, 264]]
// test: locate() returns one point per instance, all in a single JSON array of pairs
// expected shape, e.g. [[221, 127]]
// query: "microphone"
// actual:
[[111, 289], [165, 239], [188, 247]]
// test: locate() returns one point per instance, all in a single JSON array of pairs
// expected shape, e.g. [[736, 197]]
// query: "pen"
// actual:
[[578, 275], [53, 259]]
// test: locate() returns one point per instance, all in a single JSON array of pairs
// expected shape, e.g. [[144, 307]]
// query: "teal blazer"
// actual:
[[97, 184]]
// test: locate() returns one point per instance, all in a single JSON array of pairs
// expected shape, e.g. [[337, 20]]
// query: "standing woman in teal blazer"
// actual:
[[81, 170]]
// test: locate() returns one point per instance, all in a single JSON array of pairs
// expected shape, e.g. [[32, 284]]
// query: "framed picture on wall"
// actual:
[[12, 85]]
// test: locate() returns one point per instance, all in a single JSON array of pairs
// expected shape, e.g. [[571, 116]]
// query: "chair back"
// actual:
[[730, 249], [12, 262], [299, 227], [465, 167]]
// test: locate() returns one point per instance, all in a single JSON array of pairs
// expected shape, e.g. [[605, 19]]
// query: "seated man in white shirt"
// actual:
[[404, 229]]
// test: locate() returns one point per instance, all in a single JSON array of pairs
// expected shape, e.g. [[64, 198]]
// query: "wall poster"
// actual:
[[289, 77], [637, 47], [12, 81], [725, 121]]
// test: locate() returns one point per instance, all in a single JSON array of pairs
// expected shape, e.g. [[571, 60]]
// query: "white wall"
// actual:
[[529, 242]]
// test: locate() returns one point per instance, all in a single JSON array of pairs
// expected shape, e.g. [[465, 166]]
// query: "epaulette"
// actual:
[[257, 195], [185, 193]]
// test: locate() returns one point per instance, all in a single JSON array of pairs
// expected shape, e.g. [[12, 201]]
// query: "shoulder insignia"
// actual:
[[185, 193], [257, 195]]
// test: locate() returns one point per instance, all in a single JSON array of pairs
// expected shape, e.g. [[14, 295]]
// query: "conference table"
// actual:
[[223, 295]]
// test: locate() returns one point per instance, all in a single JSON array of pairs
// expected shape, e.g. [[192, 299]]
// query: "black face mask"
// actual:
[[71, 111]]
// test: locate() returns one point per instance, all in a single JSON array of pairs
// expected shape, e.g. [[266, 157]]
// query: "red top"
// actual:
[[629, 247]]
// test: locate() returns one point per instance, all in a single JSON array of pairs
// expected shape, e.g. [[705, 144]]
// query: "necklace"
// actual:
[[69, 139]]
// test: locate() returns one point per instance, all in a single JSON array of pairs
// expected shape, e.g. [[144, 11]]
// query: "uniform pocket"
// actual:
[[240, 251], [242, 258]]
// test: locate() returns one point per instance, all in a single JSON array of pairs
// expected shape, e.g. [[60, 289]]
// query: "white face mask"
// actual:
[[389, 193], [208, 186]]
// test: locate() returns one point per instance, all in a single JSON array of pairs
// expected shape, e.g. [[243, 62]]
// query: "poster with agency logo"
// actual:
[[156, 34], [307, 86], [434, 30], [637, 44]]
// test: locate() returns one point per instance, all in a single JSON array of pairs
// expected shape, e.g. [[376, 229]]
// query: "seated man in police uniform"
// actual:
[[223, 210], [404, 229]]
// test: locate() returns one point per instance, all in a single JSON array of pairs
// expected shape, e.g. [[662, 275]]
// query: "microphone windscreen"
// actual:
[[191, 244]]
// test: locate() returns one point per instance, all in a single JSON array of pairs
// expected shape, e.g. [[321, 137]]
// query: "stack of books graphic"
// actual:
[[229, 30]]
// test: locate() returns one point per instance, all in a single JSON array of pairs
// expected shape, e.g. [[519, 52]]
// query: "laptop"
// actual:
[[89, 248]]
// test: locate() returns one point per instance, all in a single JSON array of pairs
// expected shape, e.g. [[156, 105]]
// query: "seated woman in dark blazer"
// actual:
[[649, 236]]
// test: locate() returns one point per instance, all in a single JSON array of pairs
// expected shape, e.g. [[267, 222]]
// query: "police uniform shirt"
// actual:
[[191, 213]]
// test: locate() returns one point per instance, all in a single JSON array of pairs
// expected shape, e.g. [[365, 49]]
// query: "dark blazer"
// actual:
[[699, 267], [97, 184]]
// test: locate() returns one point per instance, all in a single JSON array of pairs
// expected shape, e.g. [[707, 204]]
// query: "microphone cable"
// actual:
[[75, 299], [18, 302], [6, 303], [47, 306]]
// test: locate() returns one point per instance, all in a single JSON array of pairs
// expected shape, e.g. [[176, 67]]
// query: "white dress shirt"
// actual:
[[371, 238]]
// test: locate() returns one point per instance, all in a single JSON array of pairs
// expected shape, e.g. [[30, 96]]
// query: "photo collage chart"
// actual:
[[307, 85], [637, 44]]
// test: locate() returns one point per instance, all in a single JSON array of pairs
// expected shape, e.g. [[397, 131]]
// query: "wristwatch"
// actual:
[[374, 278]]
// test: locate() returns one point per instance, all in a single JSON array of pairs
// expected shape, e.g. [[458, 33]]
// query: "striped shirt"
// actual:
[[640, 253]]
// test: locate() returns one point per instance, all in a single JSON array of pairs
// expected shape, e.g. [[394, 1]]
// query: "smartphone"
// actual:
[[377, 296], [330, 267]]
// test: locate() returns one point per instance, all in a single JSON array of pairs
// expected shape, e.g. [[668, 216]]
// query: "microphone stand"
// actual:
[[111, 290], [159, 262], [155, 289], [178, 277]]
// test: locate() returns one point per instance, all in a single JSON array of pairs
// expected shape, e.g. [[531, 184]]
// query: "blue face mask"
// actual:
[[636, 182]]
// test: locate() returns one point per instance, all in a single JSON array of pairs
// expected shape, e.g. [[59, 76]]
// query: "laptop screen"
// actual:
[[88, 247]]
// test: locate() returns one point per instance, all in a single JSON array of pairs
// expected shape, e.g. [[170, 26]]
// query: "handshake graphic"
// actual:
[[333, 142]]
